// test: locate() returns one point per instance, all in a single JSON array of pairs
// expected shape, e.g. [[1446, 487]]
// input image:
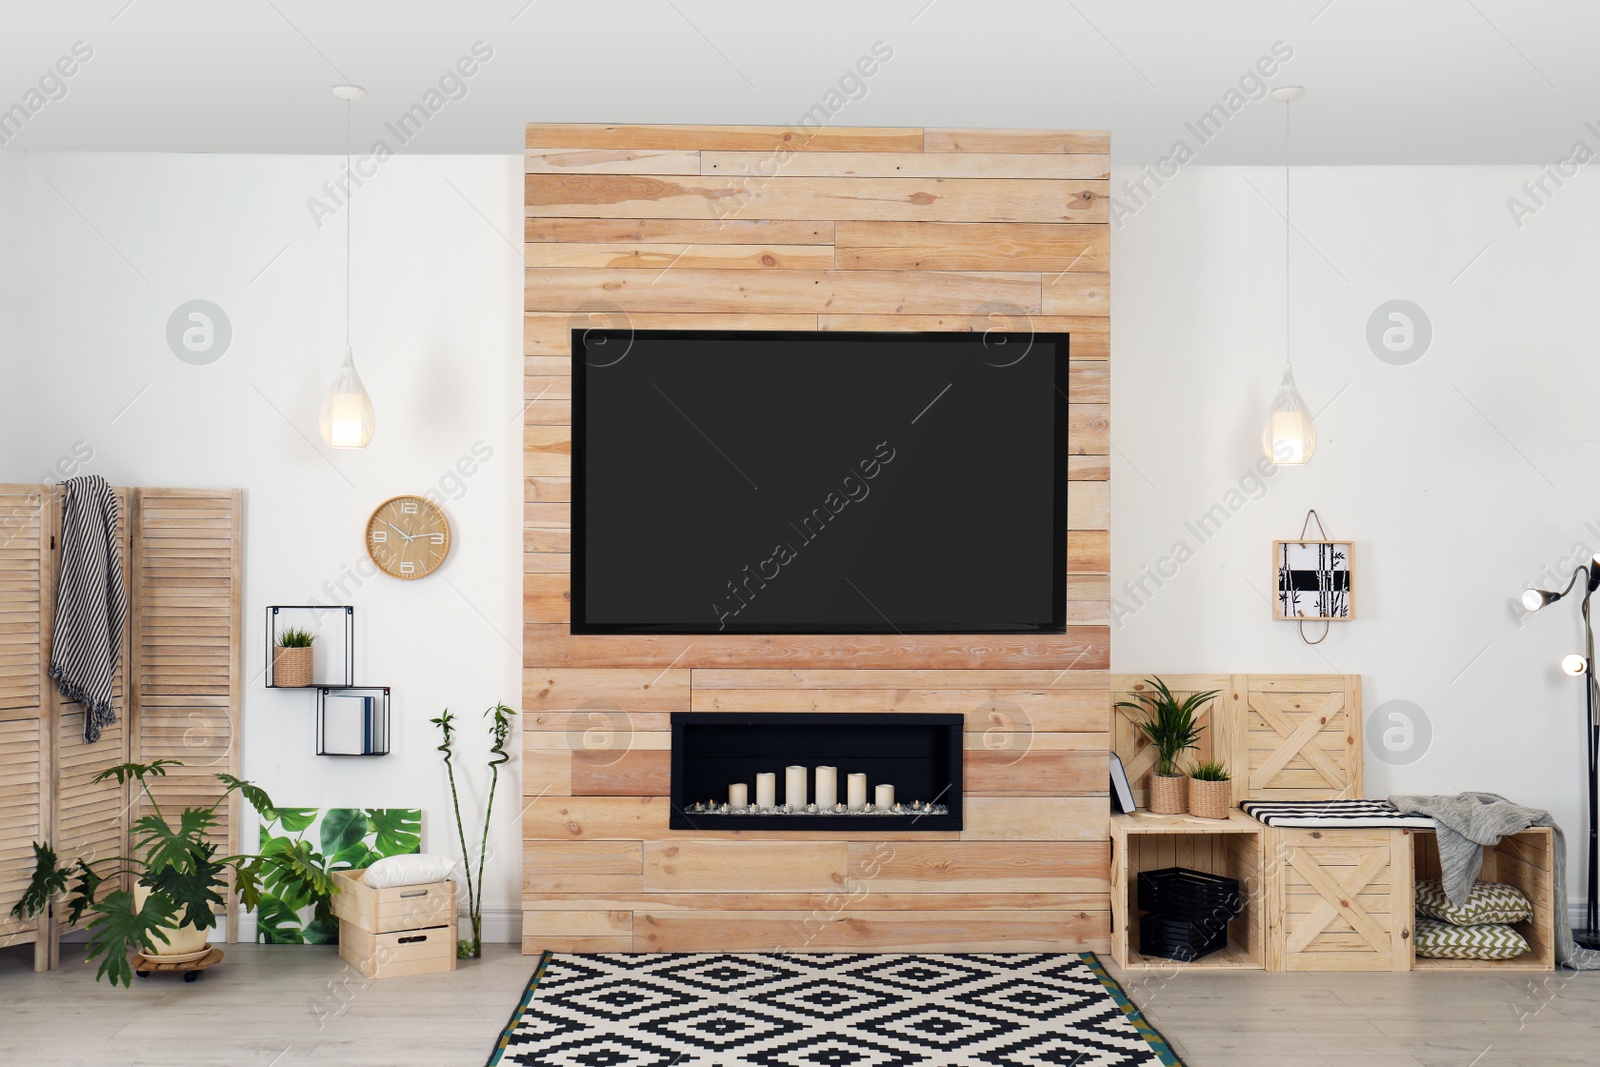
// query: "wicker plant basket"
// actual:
[[1169, 794], [1209, 800], [291, 667]]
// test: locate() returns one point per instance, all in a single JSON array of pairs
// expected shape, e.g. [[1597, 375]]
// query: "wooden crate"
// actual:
[[1337, 900], [401, 953], [1146, 842], [386, 933], [1524, 860]]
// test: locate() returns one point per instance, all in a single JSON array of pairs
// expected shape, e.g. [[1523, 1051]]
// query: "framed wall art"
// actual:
[[1314, 581]]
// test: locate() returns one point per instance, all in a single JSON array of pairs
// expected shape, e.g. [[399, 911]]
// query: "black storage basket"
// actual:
[[1179, 939], [1185, 894], [1189, 912]]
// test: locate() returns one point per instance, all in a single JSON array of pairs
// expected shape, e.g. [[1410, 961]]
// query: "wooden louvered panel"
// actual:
[[188, 558], [91, 817], [25, 523]]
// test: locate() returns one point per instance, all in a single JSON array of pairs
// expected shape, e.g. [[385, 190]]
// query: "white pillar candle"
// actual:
[[794, 788], [827, 787], [766, 790], [738, 796], [883, 797], [856, 792]]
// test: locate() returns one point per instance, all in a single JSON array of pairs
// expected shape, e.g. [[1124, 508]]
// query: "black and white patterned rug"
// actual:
[[826, 1010]]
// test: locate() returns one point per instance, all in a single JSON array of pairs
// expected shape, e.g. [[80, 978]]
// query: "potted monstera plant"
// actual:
[[1172, 728], [174, 871]]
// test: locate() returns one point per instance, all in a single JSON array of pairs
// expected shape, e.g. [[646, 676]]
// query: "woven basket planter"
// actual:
[[1169, 794], [1209, 800], [291, 667]]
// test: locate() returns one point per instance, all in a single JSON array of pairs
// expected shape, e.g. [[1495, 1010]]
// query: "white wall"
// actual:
[[1460, 477], [113, 243]]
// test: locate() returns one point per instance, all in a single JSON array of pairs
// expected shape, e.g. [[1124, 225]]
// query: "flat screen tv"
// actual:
[[818, 482]]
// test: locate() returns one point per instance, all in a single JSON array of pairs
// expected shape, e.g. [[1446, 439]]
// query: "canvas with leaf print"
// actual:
[[1315, 580], [291, 912]]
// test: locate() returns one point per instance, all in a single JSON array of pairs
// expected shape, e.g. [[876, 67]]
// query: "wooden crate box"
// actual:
[[1337, 900], [404, 930], [1231, 848], [1524, 860]]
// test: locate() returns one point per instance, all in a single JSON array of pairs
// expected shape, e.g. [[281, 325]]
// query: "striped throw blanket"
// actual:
[[91, 603], [1330, 814]]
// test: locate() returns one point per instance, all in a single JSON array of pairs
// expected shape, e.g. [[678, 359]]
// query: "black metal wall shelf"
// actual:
[[359, 713]]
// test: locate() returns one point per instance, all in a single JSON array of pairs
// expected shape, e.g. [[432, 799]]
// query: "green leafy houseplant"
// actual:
[[294, 637], [1169, 723], [499, 733], [174, 860], [1211, 770]]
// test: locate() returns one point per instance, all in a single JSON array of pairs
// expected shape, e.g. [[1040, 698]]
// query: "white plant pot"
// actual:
[[181, 940]]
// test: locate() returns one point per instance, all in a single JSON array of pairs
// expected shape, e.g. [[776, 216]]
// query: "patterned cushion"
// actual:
[[1491, 902], [1488, 942]]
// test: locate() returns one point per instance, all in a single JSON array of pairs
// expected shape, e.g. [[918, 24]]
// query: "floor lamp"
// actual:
[[1584, 667]]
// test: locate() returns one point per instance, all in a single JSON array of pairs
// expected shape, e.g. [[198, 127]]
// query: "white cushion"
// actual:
[[417, 869]]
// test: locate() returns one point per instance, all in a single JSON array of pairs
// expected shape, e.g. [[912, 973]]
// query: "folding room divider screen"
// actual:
[[177, 688]]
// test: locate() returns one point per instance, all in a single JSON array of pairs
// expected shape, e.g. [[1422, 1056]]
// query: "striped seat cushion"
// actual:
[[1442, 941], [1331, 814]]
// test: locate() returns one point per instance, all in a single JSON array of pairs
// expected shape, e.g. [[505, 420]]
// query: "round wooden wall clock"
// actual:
[[408, 537]]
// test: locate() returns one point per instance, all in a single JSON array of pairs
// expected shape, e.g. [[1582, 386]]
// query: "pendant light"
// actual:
[[1289, 436], [347, 419]]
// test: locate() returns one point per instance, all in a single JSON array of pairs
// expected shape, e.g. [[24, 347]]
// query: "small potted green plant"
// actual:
[[1170, 726], [292, 658], [175, 872], [499, 718], [1210, 790]]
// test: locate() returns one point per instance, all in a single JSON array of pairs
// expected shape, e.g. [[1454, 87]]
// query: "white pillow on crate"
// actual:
[[419, 868]]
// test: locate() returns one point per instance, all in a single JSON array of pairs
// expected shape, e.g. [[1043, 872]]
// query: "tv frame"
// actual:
[[581, 339]]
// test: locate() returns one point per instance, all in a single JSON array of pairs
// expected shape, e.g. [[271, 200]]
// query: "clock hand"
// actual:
[[397, 530]]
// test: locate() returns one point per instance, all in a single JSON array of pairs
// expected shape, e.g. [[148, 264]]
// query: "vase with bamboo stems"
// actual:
[[1172, 728], [499, 733]]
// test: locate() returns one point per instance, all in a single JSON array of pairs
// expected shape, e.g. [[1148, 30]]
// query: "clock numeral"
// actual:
[[437, 538], [380, 535], [408, 567], [409, 507]]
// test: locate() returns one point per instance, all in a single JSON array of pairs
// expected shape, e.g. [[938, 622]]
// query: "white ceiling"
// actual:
[[1389, 81]]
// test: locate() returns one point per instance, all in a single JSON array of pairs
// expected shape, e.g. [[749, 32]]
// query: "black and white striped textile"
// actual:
[[91, 603], [1330, 814]]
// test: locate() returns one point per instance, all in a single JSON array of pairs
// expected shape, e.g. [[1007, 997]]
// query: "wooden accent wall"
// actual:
[[775, 228]]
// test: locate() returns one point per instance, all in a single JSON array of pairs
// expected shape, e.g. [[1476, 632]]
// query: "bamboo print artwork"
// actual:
[[1314, 579]]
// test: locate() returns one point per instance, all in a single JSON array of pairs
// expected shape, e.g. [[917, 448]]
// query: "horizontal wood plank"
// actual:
[[907, 165], [1024, 141], [795, 292], [971, 246], [817, 199], [725, 138]]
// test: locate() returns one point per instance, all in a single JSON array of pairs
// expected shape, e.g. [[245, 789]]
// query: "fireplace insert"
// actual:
[[828, 771]]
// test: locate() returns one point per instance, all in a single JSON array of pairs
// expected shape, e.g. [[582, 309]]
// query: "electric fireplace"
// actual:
[[815, 771]]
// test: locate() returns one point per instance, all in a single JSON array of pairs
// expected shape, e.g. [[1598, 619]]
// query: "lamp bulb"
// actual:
[[1533, 599], [1575, 665]]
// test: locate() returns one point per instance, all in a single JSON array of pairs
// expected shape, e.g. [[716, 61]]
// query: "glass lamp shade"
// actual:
[[1289, 437], [347, 419]]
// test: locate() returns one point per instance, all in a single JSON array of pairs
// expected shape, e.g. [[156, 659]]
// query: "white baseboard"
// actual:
[[501, 926]]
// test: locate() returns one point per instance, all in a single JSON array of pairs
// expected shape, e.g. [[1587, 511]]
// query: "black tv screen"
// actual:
[[822, 483]]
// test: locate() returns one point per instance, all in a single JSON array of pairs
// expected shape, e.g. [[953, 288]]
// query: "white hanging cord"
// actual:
[[349, 203], [1287, 158]]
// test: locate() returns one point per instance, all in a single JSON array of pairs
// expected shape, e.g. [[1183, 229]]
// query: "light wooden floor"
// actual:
[[284, 1005], [1253, 1019]]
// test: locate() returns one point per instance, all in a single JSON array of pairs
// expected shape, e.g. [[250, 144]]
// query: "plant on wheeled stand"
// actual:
[[176, 872]]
